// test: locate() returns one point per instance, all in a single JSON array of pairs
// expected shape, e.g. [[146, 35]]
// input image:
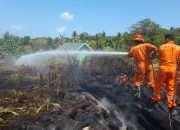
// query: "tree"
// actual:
[[119, 41], [74, 35], [151, 30], [145, 27], [83, 36], [127, 40], [6, 36], [98, 41], [176, 32], [26, 40], [61, 40], [103, 34], [50, 42], [119, 35]]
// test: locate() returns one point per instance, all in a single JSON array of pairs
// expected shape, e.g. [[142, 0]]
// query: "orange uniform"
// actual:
[[168, 54], [141, 54]]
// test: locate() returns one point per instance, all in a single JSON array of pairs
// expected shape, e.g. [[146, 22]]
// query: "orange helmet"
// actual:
[[138, 37]]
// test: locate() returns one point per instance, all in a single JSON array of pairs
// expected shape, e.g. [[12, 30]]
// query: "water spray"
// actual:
[[43, 57]]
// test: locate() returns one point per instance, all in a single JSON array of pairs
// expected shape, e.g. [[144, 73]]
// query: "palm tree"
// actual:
[[83, 36], [119, 36], [74, 35], [103, 34]]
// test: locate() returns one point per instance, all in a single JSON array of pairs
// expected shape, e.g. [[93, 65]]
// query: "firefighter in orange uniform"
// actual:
[[141, 53], [168, 55]]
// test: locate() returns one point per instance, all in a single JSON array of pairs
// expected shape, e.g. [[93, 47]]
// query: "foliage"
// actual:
[[153, 33], [151, 30]]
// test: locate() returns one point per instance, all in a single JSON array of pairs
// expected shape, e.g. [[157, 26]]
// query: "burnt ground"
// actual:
[[95, 96], [137, 113]]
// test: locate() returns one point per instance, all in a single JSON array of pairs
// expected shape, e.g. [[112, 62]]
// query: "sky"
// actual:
[[38, 18]]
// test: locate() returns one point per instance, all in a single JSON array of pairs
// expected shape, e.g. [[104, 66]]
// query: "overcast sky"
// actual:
[[53, 17]]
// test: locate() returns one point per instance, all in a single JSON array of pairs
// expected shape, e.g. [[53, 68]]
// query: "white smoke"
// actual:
[[109, 107]]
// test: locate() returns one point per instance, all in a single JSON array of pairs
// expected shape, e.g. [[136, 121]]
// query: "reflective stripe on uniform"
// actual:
[[171, 97]]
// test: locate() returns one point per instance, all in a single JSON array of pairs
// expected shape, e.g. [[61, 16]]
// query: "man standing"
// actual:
[[142, 55], [168, 55]]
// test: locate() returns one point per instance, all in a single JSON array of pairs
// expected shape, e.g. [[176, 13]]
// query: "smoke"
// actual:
[[7, 60], [113, 110], [118, 114], [41, 60]]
